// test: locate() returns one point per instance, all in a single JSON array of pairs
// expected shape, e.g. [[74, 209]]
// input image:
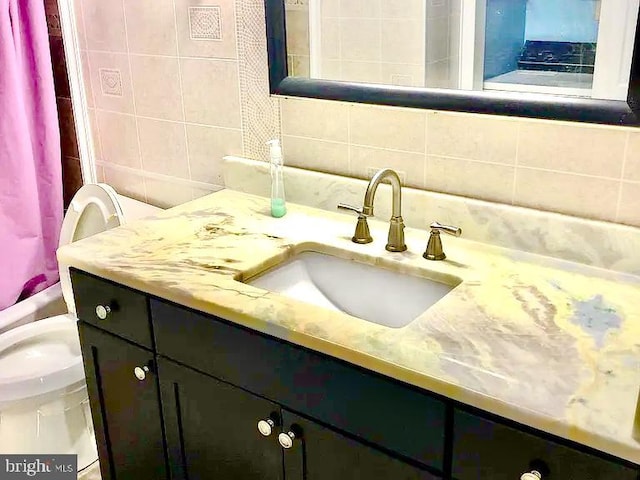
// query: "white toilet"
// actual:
[[44, 407]]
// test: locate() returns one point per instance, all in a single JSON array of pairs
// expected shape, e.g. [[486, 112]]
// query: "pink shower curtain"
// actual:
[[30, 163]]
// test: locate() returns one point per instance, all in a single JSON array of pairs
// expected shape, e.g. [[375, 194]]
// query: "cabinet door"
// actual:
[[353, 400], [319, 453], [486, 450], [125, 406], [212, 428]]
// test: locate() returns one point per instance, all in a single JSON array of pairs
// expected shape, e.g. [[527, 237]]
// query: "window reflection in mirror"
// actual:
[[531, 45], [563, 47]]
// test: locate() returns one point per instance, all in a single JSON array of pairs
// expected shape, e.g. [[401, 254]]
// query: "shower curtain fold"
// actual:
[[30, 159]]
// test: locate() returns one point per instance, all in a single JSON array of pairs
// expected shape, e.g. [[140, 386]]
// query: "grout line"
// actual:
[[426, 154], [340, 59], [562, 172], [184, 113], [157, 176], [92, 124], [166, 120], [380, 29], [450, 157], [425, 168], [624, 167], [349, 144], [133, 96], [516, 165], [191, 57]]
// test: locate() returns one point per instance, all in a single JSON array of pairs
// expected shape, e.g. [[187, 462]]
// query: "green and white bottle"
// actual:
[[278, 206]]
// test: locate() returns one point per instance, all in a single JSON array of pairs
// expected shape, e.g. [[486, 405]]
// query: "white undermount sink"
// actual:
[[368, 292]]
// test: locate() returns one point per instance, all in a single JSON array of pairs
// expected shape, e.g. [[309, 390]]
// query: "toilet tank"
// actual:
[[135, 209]]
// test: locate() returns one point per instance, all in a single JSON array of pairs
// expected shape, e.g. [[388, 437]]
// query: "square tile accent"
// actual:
[[111, 82], [205, 23]]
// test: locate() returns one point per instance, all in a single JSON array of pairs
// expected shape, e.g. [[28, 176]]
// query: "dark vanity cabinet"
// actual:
[[202, 398], [124, 398], [211, 428], [215, 430]]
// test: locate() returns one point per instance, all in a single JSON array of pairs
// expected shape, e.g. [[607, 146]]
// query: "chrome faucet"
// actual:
[[395, 242]]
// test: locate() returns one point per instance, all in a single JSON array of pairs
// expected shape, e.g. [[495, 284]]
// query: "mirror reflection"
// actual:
[[569, 47]]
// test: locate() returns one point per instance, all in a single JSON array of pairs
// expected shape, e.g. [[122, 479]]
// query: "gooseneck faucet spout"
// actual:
[[395, 241]]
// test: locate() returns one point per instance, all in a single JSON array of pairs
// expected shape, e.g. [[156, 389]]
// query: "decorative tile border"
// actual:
[[260, 111], [205, 23], [110, 82]]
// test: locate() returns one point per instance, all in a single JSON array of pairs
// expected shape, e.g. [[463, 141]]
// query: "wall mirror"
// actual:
[[567, 60]]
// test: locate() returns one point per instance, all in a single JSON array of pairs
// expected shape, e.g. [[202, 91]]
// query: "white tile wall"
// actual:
[[366, 40], [186, 101]]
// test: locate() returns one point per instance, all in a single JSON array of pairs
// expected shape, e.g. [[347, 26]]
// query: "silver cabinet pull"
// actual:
[[141, 372], [265, 427], [103, 311], [286, 439], [532, 475]]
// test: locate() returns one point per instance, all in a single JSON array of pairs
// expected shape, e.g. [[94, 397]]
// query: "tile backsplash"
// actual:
[[174, 85]]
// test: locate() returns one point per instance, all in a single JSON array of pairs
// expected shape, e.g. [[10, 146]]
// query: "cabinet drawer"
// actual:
[[369, 406], [487, 450], [127, 311]]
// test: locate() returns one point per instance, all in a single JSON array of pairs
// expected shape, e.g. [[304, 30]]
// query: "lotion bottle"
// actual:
[[278, 206]]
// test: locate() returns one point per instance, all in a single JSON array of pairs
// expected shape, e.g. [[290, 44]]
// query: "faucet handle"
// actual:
[[434, 249], [351, 208], [450, 229], [362, 234]]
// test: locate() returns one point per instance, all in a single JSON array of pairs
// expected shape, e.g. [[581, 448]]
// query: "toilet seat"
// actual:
[[39, 358], [82, 221], [93, 209]]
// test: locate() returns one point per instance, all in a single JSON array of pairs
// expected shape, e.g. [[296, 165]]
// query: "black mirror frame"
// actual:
[[609, 112]]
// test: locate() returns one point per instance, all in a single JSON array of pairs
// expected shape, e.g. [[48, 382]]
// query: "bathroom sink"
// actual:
[[368, 292]]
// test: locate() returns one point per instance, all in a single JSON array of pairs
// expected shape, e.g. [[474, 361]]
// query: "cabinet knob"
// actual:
[[141, 372], [532, 475], [265, 427], [286, 439], [103, 311]]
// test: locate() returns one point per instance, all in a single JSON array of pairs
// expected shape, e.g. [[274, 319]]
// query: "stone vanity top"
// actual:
[[545, 342]]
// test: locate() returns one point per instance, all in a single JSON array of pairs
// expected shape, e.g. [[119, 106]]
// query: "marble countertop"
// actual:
[[545, 342]]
